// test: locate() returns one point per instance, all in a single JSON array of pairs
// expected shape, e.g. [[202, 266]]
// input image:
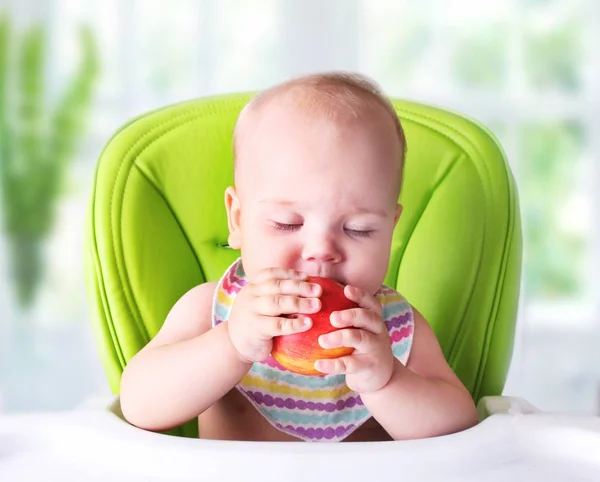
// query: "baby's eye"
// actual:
[[359, 233], [286, 226]]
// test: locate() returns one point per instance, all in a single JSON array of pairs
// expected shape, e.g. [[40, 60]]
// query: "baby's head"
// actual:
[[318, 166]]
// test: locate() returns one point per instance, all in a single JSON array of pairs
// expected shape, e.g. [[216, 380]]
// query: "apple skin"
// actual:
[[298, 352]]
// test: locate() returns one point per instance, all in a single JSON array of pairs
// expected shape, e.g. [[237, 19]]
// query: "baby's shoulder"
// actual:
[[191, 314], [199, 296], [202, 294]]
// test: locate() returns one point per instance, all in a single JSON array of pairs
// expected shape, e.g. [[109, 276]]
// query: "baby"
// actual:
[[318, 169]]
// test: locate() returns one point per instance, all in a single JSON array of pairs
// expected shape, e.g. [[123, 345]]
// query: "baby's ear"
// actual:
[[398, 213], [232, 205]]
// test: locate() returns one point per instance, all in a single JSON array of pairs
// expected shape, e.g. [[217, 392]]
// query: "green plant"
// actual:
[[38, 139]]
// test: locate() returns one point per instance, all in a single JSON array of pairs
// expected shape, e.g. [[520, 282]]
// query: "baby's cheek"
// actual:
[[370, 276], [267, 254]]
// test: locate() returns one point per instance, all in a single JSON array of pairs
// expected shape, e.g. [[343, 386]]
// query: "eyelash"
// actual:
[[359, 234], [286, 227], [293, 227]]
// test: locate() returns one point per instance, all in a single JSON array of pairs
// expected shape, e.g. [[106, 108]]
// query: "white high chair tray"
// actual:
[[95, 444]]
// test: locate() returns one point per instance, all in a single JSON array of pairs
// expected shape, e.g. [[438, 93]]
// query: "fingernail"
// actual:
[[314, 303], [315, 289], [323, 341], [335, 317], [306, 321], [302, 275]]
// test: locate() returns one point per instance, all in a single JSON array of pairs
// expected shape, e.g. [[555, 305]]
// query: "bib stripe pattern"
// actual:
[[311, 408]]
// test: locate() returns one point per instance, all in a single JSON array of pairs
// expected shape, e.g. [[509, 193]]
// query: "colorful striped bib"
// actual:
[[312, 408]]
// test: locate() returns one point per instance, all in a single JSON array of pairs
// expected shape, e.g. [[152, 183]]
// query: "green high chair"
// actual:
[[157, 226]]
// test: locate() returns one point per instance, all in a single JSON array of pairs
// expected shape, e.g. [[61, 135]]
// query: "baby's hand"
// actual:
[[257, 314], [370, 366]]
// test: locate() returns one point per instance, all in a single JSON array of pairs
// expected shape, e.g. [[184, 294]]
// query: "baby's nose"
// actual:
[[323, 250]]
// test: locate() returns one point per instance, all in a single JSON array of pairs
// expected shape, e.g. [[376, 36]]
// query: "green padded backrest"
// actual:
[[157, 227]]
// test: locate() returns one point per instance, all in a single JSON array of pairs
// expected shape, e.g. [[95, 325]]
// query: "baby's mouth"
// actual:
[[324, 271], [326, 274]]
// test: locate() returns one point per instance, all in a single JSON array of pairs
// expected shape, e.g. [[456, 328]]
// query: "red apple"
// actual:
[[298, 352]]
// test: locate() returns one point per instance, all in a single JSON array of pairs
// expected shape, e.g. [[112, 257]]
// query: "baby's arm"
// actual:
[[188, 366], [185, 369], [425, 398]]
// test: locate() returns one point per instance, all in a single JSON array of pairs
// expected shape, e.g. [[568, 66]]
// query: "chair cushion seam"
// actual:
[[154, 186], [490, 328], [131, 305]]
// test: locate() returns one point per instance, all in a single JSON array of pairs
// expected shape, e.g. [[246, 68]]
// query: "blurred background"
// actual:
[[73, 71]]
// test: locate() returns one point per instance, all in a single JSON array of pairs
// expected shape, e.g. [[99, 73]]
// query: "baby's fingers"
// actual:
[[278, 304], [343, 365], [278, 273], [361, 340], [359, 318], [282, 286], [363, 299], [285, 326]]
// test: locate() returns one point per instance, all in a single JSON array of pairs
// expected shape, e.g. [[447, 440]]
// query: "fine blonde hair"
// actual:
[[333, 95], [329, 94]]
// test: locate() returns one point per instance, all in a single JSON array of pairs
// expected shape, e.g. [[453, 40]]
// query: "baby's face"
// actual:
[[316, 196]]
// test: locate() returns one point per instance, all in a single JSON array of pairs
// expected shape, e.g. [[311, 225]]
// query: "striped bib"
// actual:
[[311, 408]]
